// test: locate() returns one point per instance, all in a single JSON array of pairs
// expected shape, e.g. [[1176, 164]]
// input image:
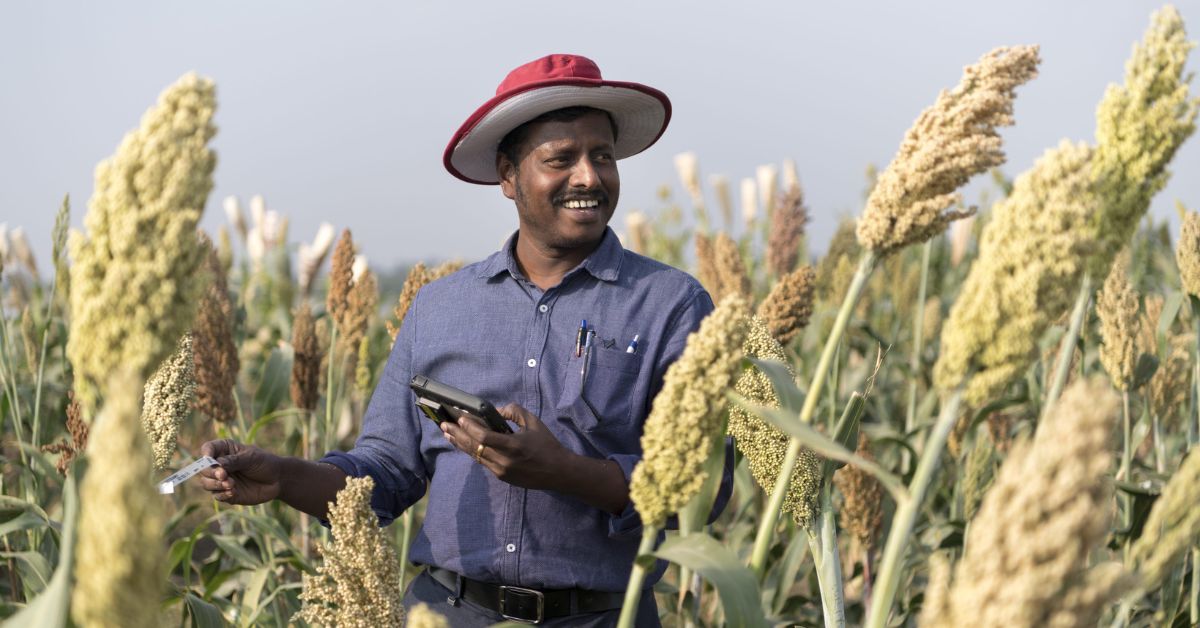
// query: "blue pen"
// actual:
[[632, 345], [587, 354], [579, 338]]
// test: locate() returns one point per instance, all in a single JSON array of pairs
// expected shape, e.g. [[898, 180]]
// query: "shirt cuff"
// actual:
[[628, 523], [383, 501]]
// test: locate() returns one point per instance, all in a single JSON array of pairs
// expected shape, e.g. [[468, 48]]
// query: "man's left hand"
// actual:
[[529, 458]]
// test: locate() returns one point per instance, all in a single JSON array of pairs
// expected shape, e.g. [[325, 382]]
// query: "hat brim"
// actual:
[[641, 114]]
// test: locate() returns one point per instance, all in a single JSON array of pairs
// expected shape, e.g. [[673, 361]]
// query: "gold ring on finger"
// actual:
[[479, 452]]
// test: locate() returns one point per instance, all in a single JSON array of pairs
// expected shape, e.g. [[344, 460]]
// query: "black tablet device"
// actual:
[[443, 402]]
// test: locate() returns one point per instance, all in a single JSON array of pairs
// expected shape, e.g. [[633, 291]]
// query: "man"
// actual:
[[536, 525]]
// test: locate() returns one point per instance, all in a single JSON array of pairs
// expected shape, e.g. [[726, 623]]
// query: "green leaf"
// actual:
[[254, 588], [233, 549], [17, 514], [735, 583], [276, 378], [1147, 365], [39, 459], [825, 446], [791, 398], [845, 433], [1169, 312], [49, 610], [269, 418], [35, 569], [177, 553], [204, 614], [788, 569], [695, 513]]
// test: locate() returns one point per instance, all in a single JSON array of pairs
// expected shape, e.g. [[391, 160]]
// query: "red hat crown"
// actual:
[[549, 68]]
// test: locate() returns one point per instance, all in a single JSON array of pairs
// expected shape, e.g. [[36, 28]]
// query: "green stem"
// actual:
[[766, 528], [1194, 606], [333, 328], [914, 360], [35, 437], [1156, 437], [1126, 461], [1193, 436], [1121, 618], [305, 543], [1066, 350], [907, 510], [9, 374], [822, 542], [406, 529], [633, 592]]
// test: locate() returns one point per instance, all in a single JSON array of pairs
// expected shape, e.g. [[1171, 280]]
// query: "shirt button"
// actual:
[[532, 363], [511, 548], [543, 307]]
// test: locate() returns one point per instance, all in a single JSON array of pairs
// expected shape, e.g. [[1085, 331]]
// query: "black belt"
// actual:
[[524, 604]]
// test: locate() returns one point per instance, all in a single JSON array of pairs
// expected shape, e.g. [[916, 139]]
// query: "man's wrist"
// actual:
[[597, 481]]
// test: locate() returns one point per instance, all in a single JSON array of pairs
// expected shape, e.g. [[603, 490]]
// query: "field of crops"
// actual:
[[962, 413]]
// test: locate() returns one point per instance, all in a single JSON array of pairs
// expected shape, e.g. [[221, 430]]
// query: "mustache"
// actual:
[[598, 195]]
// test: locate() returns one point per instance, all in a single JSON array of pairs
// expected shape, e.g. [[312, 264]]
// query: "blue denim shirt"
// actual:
[[488, 330]]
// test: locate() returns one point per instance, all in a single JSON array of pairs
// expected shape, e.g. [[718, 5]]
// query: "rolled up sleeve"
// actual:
[[388, 448]]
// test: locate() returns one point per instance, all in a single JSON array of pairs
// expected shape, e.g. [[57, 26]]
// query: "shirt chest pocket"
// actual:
[[606, 396]]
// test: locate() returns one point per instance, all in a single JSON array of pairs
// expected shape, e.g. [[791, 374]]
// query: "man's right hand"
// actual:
[[247, 475]]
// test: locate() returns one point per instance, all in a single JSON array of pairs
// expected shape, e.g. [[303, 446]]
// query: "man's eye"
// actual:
[[604, 157]]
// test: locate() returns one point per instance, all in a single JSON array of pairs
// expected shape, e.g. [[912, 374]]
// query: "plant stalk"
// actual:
[[1126, 470], [1066, 350], [333, 329], [914, 360], [406, 529], [905, 519], [633, 592], [766, 528], [35, 437], [822, 542], [1193, 437]]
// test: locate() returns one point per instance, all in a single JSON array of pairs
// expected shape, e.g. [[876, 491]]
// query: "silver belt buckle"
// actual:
[[519, 592]]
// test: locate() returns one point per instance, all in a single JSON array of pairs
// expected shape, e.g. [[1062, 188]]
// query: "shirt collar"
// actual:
[[604, 263]]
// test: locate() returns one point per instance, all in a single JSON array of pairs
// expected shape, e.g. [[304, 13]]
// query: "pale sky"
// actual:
[[340, 111]]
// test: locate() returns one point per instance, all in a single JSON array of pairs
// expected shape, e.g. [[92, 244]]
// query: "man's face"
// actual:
[[565, 183]]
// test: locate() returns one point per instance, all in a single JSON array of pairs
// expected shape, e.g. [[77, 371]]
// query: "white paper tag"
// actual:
[[179, 477]]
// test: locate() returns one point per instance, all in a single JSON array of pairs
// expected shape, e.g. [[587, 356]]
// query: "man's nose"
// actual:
[[584, 175]]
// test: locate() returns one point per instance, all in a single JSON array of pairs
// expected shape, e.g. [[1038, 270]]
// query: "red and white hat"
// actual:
[[641, 113]]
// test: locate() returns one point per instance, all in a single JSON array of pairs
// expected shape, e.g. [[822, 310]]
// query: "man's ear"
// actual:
[[506, 170]]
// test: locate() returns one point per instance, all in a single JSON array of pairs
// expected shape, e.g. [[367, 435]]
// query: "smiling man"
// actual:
[[569, 330]]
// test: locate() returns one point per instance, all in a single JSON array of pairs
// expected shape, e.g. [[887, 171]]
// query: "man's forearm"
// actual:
[[309, 486], [596, 481]]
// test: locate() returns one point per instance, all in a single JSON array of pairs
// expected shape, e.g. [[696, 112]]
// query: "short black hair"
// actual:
[[510, 144]]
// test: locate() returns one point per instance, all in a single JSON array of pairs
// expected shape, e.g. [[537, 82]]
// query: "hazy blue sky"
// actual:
[[339, 111]]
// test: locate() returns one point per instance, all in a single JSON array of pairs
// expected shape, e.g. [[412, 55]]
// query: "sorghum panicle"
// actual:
[[788, 307], [1118, 310], [305, 385], [787, 230], [731, 269], [119, 556], [217, 362], [764, 445], [137, 274], [1028, 560], [950, 142], [1031, 261], [1139, 126], [168, 401], [357, 583], [686, 415]]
